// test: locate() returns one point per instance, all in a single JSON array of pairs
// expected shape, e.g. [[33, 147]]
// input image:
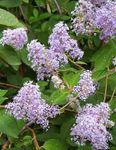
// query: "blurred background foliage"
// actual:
[[39, 17]]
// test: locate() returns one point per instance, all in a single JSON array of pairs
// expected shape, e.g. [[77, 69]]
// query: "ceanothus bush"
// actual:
[[66, 87]]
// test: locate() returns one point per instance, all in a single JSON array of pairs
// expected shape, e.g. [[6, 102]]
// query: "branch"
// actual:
[[2, 106], [34, 138], [58, 7], [113, 94], [9, 85], [106, 87]]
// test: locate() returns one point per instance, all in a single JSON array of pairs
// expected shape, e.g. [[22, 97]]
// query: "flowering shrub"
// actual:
[[58, 75]]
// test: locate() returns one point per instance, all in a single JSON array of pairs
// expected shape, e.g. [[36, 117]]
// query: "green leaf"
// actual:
[[52, 133], [59, 97], [99, 74], [8, 125], [40, 2], [2, 98], [10, 3], [35, 12], [9, 56], [113, 132], [86, 147], [26, 1], [44, 16], [54, 144], [2, 92], [103, 57], [8, 19], [23, 56], [65, 128], [42, 83], [112, 81], [112, 103], [71, 78]]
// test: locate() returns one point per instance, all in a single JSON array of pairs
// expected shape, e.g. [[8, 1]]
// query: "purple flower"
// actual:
[[91, 16], [29, 105], [16, 38], [90, 126], [106, 21], [44, 61], [86, 87], [62, 43], [83, 18]]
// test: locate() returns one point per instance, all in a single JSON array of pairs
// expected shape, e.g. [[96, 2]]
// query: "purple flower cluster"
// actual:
[[86, 86], [91, 125], [61, 42], [83, 18], [91, 15], [16, 38], [47, 61], [106, 21], [29, 105], [44, 61]]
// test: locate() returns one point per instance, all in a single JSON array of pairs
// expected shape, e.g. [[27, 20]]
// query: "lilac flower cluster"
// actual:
[[16, 38], [91, 15], [91, 125], [106, 21], [86, 86], [29, 105], [44, 61], [61, 42], [47, 61], [83, 18]]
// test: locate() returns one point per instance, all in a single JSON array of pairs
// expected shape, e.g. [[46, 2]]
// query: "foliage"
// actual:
[[38, 18]]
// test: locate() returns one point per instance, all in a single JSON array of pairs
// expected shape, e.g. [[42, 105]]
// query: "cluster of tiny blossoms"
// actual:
[[29, 105], [43, 60], [91, 15], [106, 20], [47, 61], [91, 125], [83, 16], [15, 38], [86, 85], [61, 42]]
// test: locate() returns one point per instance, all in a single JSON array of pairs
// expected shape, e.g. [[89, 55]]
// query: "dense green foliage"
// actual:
[[39, 17]]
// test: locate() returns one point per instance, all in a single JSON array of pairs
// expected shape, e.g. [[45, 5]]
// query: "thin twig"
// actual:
[[2, 106], [79, 66], [24, 17], [34, 138], [25, 127], [113, 94], [106, 87], [70, 110], [65, 105], [9, 85], [58, 7]]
